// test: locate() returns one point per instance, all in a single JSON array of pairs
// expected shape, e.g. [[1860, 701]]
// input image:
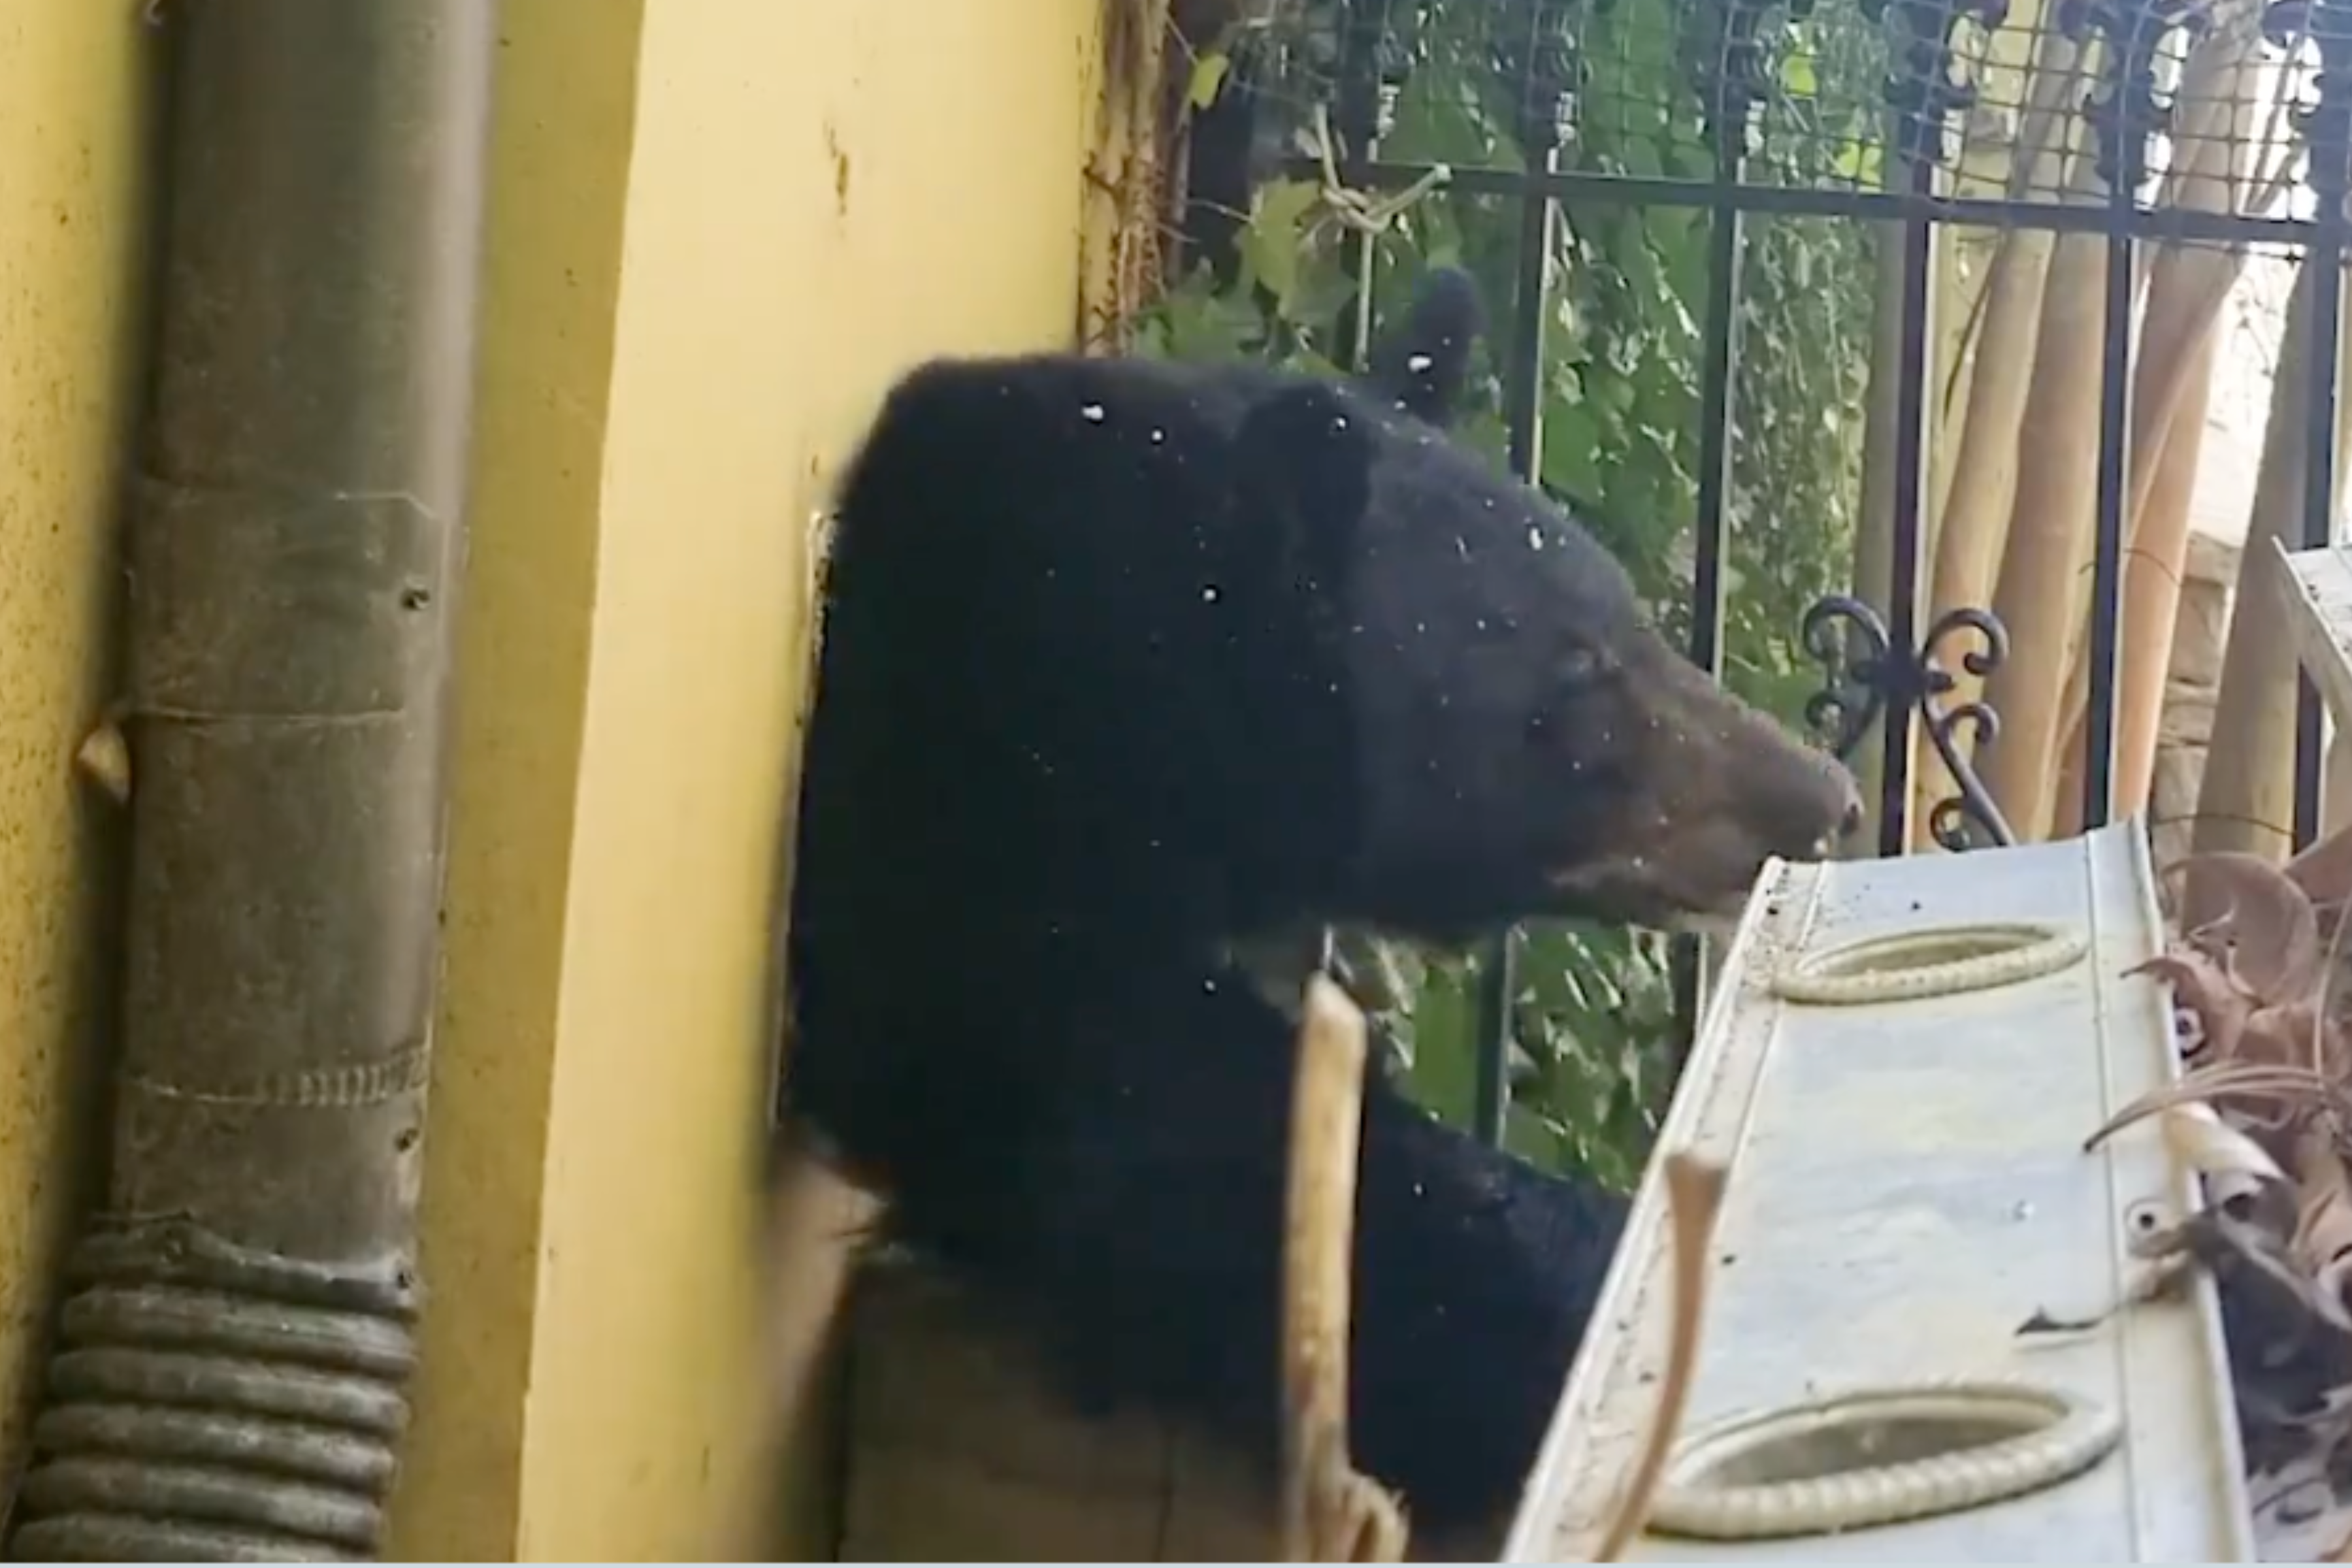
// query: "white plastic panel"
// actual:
[[2318, 600], [1908, 1186]]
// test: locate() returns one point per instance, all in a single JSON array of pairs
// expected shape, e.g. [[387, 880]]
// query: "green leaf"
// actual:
[[1195, 324], [1321, 292], [1270, 242], [1485, 433], [1444, 1066], [1208, 76], [1797, 75], [1571, 449], [1531, 1137]]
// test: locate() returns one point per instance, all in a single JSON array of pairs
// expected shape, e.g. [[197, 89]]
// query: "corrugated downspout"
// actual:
[[230, 1378]]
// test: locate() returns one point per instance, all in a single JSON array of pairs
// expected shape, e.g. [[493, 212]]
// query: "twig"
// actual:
[[1330, 1513], [2282, 1080], [1354, 209], [1695, 1195], [2160, 1278], [2333, 956]]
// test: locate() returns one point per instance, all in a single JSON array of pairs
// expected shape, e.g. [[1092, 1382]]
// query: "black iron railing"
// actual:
[[1882, 671]]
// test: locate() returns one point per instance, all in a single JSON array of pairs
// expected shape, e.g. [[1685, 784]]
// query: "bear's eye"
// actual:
[[1576, 665]]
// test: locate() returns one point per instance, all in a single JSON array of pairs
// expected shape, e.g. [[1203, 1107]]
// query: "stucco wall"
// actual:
[[74, 79], [719, 228]]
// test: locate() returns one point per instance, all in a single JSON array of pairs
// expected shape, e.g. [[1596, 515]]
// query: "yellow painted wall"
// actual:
[[73, 80], [720, 227]]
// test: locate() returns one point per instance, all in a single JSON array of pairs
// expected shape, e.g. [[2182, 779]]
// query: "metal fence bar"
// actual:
[[1523, 399], [1546, 116], [1885, 667], [1911, 366], [1365, 108], [1582, 187], [2329, 132], [1719, 363], [2123, 122], [1918, 129], [1731, 101]]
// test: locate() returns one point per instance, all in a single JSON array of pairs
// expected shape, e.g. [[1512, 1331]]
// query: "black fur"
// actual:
[[1427, 366], [1134, 1227], [1126, 661]]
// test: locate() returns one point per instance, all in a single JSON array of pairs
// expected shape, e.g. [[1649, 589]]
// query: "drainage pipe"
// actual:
[[229, 1381]]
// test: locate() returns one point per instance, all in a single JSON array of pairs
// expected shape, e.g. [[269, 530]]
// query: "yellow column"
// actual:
[[720, 229]]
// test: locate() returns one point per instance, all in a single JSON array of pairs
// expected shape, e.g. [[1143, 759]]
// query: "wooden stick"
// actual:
[[1328, 1512], [1694, 1198]]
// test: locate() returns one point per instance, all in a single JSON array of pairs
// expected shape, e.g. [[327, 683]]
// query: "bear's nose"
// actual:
[[1849, 817]]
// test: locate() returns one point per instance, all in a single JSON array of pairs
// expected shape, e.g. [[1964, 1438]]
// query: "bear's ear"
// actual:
[[1303, 475], [1422, 364], [1305, 452]]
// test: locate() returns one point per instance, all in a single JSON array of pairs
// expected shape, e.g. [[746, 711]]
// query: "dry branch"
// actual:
[[2049, 532], [1330, 1513], [2251, 960], [1695, 1189], [2246, 802]]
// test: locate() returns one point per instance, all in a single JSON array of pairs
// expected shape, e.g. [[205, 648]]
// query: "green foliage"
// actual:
[[1621, 374]]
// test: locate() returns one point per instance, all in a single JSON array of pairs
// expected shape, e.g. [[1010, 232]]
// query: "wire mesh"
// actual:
[[2029, 104]]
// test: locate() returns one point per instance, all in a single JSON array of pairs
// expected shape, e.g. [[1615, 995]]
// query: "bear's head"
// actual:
[[1525, 742]]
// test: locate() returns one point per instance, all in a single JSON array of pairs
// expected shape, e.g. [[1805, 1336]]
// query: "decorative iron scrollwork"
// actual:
[[1921, 86], [1378, 40], [2127, 113], [1865, 675], [1736, 73], [1551, 73]]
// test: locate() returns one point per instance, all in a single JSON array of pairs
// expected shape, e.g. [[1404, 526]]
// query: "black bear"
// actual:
[[1124, 662]]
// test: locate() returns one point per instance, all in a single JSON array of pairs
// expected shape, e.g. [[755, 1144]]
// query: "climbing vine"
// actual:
[[1619, 389]]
